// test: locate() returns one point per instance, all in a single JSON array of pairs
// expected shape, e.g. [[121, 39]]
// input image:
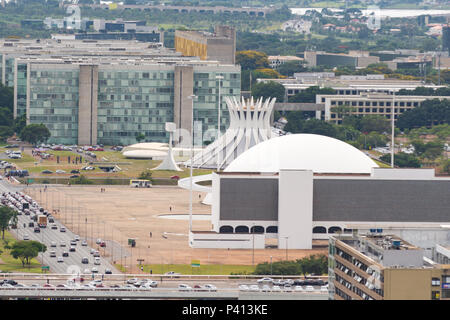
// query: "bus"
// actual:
[[140, 183]]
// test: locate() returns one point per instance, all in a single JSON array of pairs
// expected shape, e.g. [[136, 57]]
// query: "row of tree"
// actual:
[[312, 265]]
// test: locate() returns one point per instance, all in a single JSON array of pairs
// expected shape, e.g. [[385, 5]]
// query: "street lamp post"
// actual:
[[192, 97], [392, 129], [271, 270], [287, 238], [220, 78]]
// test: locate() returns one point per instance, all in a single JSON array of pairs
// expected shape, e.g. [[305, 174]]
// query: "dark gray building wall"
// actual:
[[381, 200], [249, 199]]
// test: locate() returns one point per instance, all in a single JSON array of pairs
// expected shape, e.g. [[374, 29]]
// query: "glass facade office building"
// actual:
[[111, 104]]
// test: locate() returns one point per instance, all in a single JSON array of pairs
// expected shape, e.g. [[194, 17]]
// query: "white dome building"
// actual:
[[321, 154]]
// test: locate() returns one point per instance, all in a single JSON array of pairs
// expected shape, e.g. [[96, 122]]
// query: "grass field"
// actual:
[[207, 269], [9, 264], [131, 168]]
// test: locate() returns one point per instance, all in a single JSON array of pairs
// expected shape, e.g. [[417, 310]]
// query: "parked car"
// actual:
[[254, 288], [47, 171], [210, 287], [184, 287], [26, 237], [244, 287], [266, 288], [276, 289]]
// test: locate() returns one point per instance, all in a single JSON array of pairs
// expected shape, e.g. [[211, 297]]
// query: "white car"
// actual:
[[60, 171], [298, 289], [97, 261], [77, 238], [132, 280], [184, 287], [84, 243], [266, 288], [324, 289], [309, 288], [287, 288], [86, 271], [26, 237], [210, 287], [94, 270], [62, 244], [53, 244], [276, 289], [60, 259], [254, 288], [265, 280], [244, 287]]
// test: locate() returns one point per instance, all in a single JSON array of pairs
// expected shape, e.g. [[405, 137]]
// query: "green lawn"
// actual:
[[131, 168], [9, 264], [207, 269]]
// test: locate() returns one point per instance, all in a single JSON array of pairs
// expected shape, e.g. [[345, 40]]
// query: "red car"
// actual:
[[175, 177], [99, 149], [103, 244]]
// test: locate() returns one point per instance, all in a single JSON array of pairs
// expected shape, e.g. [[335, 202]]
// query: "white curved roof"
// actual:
[[314, 152]]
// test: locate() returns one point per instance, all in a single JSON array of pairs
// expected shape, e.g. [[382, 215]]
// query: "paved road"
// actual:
[[72, 263]]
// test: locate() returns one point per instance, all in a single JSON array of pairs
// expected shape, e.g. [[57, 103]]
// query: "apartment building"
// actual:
[[378, 266]]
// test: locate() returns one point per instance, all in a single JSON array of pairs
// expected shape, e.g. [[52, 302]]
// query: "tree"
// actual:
[[145, 175], [375, 123], [270, 89], [6, 215], [265, 73], [19, 124], [6, 97], [27, 250], [402, 160], [446, 166], [35, 133], [429, 113], [314, 265], [430, 150], [251, 60], [291, 67], [313, 126], [140, 137]]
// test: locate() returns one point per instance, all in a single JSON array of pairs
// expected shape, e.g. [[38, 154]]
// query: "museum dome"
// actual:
[[318, 153]]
